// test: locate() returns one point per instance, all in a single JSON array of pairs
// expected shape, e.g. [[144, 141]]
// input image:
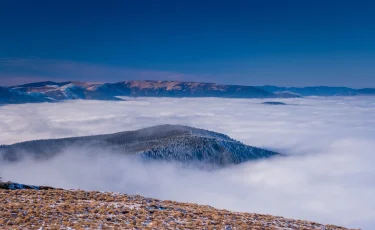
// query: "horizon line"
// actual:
[[114, 82]]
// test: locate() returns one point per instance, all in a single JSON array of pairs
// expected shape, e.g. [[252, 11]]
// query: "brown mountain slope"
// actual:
[[63, 209]]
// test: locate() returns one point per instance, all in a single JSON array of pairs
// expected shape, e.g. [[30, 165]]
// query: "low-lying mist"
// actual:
[[328, 176]]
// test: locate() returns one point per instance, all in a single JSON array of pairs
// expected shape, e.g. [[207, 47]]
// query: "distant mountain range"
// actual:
[[53, 91], [57, 91], [13, 96], [320, 91], [163, 142]]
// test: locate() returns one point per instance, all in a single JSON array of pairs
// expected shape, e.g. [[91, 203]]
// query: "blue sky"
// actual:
[[286, 43]]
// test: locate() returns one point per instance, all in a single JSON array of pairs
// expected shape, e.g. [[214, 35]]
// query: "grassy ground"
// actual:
[[63, 209]]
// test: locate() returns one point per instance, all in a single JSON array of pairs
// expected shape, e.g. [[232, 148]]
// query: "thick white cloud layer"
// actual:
[[328, 178]]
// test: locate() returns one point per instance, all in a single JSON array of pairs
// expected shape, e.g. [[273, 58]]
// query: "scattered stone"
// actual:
[[38, 207]]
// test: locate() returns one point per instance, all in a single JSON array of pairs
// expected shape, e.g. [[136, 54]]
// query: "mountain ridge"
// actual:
[[49, 91], [57, 91], [320, 90], [163, 142]]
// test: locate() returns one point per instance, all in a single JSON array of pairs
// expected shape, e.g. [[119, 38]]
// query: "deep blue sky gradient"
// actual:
[[289, 42]]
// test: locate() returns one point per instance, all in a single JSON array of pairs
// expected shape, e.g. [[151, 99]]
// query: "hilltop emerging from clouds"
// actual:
[[164, 142]]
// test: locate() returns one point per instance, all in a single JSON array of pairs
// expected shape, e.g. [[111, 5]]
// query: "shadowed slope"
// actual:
[[11, 96]]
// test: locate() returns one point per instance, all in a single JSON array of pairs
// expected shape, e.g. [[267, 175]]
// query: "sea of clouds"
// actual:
[[328, 176]]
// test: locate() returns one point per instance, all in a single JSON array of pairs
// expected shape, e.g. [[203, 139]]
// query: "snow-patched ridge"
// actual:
[[12, 96], [164, 142], [111, 91]]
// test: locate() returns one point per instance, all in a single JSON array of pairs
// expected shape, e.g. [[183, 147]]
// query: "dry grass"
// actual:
[[62, 209]]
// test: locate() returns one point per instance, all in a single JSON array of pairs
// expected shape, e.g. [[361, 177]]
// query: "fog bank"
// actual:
[[328, 177]]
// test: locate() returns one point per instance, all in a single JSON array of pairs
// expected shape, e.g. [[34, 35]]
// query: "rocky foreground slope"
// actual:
[[49, 208]]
